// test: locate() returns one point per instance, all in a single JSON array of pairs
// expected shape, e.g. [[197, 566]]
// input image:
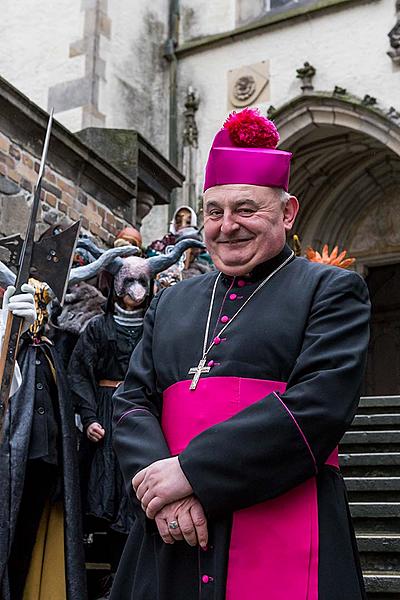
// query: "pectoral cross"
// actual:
[[198, 371]]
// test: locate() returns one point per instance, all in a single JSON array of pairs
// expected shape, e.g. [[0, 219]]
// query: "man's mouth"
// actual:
[[233, 242]]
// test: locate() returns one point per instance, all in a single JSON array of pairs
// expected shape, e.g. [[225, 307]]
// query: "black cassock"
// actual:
[[257, 439]]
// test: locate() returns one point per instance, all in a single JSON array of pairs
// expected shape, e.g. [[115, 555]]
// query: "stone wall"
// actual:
[[62, 199], [35, 39]]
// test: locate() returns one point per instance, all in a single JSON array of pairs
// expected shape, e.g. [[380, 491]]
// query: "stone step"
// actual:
[[380, 542], [391, 420], [370, 464], [369, 458], [373, 510], [375, 484], [390, 436], [388, 582], [379, 401], [379, 551]]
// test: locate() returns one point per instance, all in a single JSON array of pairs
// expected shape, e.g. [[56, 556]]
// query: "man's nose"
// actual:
[[229, 224]]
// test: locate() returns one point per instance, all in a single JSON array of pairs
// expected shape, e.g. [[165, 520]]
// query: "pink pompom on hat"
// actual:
[[244, 151]]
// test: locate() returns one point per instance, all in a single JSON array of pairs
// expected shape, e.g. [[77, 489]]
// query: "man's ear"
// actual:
[[290, 212]]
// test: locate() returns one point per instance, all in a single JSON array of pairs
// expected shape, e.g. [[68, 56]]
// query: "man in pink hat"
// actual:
[[227, 424]]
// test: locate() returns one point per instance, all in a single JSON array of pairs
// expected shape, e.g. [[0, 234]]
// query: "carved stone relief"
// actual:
[[394, 37], [248, 85], [306, 74], [190, 131], [379, 230]]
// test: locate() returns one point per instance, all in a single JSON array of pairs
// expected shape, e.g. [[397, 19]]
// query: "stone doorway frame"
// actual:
[[308, 112]]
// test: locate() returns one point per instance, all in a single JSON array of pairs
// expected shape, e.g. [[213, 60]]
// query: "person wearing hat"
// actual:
[[227, 424], [128, 236]]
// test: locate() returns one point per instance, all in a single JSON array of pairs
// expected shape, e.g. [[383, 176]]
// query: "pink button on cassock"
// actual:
[[224, 319], [210, 363], [233, 297], [206, 579], [217, 340], [241, 283]]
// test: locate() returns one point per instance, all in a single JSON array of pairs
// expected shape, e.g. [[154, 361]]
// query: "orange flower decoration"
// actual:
[[334, 258]]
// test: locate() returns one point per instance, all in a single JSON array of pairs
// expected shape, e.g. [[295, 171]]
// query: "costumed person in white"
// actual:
[[21, 305]]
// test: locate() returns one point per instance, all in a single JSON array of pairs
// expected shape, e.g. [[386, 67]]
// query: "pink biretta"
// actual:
[[244, 152]]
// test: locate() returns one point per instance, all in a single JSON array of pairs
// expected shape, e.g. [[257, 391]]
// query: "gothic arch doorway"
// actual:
[[346, 174]]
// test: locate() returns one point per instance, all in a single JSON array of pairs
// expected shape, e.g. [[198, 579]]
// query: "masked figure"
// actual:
[[98, 365]]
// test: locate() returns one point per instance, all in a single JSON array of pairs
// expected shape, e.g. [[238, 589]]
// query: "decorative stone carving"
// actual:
[[190, 131], [392, 113], [306, 74], [271, 112], [189, 149], [144, 204], [394, 37], [244, 88], [339, 91], [368, 100], [248, 85], [379, 230]]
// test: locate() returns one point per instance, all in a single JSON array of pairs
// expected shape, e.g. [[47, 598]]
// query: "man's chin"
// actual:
[[231, 266]]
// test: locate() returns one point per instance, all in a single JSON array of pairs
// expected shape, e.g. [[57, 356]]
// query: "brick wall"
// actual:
[[61, 197]]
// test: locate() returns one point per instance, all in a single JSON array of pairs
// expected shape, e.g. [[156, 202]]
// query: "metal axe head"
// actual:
[[52, 259]]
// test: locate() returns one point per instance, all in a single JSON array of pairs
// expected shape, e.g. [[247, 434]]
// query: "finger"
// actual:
[[200, 523], [7, 295], [142, 490], [97, 429], [176, 534], [154, 506], [26, 298], [187, 528], [137, 480], [146, 499], [25, 313], [163, 530], [27, 288]]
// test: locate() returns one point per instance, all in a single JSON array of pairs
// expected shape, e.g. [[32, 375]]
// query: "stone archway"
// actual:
[[346, 173]]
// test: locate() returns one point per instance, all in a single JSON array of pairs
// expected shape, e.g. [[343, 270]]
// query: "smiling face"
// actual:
[[245, 225]]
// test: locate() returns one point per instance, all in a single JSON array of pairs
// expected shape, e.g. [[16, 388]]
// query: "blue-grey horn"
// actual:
[[111, 260], [164, 261]]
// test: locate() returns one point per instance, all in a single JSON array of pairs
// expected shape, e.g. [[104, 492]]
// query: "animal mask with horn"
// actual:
[[132, 274]]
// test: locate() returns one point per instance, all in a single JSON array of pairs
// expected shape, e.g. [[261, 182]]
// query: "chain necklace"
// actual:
[[201, 367]]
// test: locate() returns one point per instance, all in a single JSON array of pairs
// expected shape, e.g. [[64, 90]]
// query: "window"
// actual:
[[272, 6], [248, 11]]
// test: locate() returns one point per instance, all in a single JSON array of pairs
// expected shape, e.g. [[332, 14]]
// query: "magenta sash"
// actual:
[[273, 551]]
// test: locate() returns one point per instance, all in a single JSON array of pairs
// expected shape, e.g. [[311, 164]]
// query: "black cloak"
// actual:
[[13, 461]]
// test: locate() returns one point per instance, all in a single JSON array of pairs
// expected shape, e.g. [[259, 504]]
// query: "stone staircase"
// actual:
[[370, 462]]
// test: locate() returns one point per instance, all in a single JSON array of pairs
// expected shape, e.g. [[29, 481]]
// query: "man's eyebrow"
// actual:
[[212, 204], [242, 201]]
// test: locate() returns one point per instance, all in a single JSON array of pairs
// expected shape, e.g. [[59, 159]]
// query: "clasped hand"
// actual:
[[166, 495]]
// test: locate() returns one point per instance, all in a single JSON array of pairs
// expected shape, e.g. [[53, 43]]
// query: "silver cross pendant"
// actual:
[[197, 372]]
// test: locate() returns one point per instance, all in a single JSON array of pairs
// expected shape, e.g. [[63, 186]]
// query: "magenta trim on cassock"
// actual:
[[132, 410], [229, 164], [300, 430], [274, 545]]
